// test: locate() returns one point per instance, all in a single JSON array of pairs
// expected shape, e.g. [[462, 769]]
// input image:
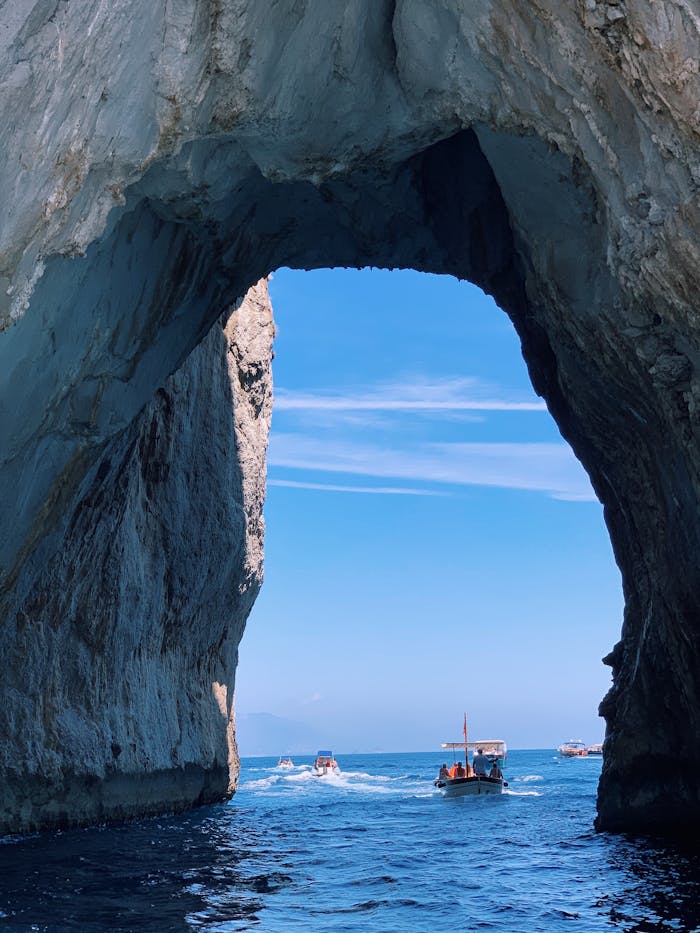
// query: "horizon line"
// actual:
[[439, 752]]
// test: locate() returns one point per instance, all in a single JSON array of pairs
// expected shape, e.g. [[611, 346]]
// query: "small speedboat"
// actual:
[[574, 748], [285, 762], [463, 779], [596, 749], [325, 763]]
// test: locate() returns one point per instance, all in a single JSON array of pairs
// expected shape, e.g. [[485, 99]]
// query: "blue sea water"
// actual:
[[372, 849]]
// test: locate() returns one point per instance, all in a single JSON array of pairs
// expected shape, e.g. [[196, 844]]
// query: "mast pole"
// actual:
[[466, 747]]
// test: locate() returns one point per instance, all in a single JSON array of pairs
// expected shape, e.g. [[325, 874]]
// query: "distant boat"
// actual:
[[285, 762], [470, 783], [594, 749], [574, 748], [325, 763]]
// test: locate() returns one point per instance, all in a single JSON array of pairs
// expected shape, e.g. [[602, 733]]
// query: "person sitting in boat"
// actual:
[[461, 770], [495, 771], [480, 763], [444, 772], [452, 772]]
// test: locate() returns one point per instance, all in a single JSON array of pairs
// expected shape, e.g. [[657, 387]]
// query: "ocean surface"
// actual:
[[372, 849]]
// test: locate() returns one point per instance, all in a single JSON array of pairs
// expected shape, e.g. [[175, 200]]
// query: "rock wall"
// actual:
[[120, 655], [162, 156]]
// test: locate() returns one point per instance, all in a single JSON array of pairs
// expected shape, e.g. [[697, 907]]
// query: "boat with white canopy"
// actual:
[[483, 775], [574, 748]]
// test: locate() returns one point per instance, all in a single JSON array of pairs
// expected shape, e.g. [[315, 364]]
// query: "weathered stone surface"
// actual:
[[120, 649], [160, 157]]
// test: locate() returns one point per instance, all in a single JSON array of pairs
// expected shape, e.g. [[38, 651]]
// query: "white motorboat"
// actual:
[[574, 748], [596, 749], [462, 780], [325, 763], [285, 762]]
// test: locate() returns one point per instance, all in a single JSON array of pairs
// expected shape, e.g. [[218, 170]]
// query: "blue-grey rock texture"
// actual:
[[120, 647], [161, 157]]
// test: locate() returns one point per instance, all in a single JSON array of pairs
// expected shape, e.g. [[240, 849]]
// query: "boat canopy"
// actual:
[[324, 754], [489, 746]]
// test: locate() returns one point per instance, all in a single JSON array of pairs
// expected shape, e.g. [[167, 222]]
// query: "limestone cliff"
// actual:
[[161, 156], [120, 649]]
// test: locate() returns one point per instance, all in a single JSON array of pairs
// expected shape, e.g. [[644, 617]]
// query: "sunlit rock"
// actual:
[[158, 159]]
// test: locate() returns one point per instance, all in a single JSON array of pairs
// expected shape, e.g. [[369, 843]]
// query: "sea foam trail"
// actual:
[[304, 780], [259, 784], [363, 776], [357, 782]]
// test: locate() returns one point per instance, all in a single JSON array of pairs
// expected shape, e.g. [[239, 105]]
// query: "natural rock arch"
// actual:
[[548, 155]]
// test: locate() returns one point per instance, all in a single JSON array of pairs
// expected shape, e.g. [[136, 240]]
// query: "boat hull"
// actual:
[[573, 749], [323, 770], [470, 787]]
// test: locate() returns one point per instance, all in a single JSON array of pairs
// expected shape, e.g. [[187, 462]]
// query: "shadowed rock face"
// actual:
[[161, 158], [120, 647]]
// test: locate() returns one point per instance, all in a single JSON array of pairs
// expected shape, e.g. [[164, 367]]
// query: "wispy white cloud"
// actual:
[[544, 467], [376, 490], [429, 396]]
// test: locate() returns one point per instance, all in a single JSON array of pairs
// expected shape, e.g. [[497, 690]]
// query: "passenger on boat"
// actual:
[[452, 772], [480, 763], [444, 773], [495, 771], [461, 771]]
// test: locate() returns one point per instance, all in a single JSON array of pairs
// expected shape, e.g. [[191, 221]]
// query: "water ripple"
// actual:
[[373, 849]]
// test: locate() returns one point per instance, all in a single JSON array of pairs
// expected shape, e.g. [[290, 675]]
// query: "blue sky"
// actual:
[[432, 545]]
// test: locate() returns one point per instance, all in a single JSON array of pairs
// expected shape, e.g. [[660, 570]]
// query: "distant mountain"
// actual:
[[265, 734]]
